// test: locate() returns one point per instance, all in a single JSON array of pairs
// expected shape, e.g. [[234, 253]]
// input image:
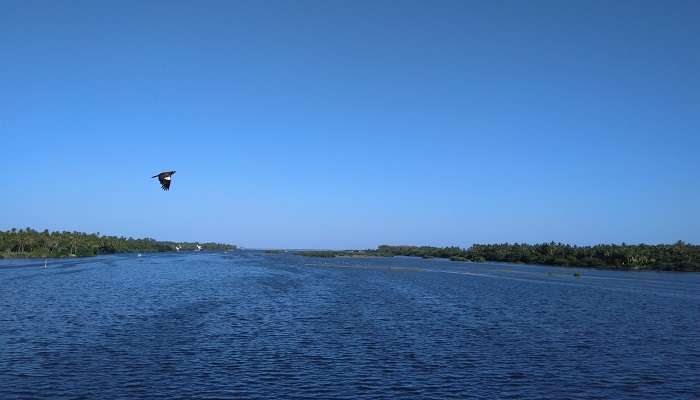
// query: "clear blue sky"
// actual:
[[339, 124]]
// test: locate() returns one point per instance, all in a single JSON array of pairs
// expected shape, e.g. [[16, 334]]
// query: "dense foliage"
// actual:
[[31, 243], [668, 257]]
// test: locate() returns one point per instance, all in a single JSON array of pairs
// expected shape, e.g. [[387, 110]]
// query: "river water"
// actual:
[[252, 325]]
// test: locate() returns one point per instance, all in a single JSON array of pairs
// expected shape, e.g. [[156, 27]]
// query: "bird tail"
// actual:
[[154, 176]]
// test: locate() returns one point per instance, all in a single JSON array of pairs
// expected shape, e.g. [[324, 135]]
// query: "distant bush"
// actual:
[[323, 254], [679, 256], [273, 251], [30, 243]]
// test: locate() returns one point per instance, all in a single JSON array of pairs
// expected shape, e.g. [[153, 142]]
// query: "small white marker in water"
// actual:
[[45, 261]]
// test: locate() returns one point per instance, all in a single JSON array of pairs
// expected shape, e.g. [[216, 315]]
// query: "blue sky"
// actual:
[[341, 124]]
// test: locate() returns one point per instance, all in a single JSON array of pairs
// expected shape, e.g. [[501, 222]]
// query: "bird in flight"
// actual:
[[164, 179]]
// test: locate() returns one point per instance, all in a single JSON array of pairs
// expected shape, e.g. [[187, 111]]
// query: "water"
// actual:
[[250, 325]]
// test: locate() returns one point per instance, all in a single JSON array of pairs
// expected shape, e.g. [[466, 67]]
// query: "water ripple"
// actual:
[[248, 325]]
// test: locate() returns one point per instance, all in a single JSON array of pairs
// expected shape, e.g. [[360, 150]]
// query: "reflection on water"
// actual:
[[249, 325]]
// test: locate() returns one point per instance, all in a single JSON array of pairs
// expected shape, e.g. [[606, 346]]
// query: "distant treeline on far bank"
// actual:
[[30, 243], [679, 256]]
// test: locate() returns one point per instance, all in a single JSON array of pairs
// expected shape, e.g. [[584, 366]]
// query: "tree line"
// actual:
[[679, 256], [31, 243]]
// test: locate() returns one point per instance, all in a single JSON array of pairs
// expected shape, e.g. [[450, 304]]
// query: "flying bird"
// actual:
[[164, 179]]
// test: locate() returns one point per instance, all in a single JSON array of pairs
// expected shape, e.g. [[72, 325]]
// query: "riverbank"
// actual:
[[679, 256], [29, 243], [28, 256]]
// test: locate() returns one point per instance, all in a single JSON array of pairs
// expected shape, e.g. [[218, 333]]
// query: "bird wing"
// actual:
[[164, 182]]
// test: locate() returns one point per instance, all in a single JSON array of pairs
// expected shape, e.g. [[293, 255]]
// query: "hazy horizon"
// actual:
[[339, 125]]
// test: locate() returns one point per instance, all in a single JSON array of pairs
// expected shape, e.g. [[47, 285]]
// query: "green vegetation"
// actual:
[[322, 253], [342, 253], [679, 256], [274, 251], [30, 243]]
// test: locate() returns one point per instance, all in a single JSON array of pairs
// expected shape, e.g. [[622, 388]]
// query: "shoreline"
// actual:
[[520, 264], [29, 243], [73, 256], [678, 257]]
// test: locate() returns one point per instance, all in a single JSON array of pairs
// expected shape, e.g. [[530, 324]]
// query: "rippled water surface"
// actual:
[[250, 325]]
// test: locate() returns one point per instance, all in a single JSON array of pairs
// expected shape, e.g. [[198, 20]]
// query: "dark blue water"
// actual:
[[249, 325]]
